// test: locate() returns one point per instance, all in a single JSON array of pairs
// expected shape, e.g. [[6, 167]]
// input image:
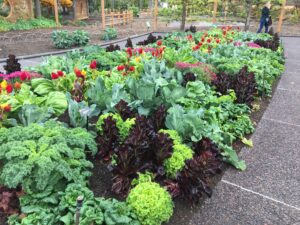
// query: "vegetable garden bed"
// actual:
[[158, 122]]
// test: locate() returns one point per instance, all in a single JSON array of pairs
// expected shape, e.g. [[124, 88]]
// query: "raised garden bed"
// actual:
[[159, 123]]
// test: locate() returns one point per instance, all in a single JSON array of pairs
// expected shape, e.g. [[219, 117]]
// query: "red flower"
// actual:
[[200, 44], [140, 50], [159, 42], [232, 32], [224, 33], [120, 68], [93, 64], [218, 41], [7, 108], [60, 73], [129, 51], [9, 88], [195, 48], [208, 40], [17, 85], [54, 76], [238, 28], [24, 75], [78, 73], [190, 37], [131, 68], [203, 39], [231, 40]]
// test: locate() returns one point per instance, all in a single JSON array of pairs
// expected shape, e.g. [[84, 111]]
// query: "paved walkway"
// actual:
[[268, 192]]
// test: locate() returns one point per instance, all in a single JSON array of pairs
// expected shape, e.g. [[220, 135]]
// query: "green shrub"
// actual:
[[109, 34], [26, 24], [62, 39], [135, 11], [151, 203], [80, 38]]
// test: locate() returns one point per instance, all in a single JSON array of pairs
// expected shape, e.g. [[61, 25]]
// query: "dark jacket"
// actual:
[[265, 12]]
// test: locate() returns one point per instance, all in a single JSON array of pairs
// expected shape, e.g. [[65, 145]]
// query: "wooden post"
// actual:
[[119, 18], [56, 12], [281, 16], [215, 11], [124, 18], [112, 17], [103, 14], [75, 9], [226, 9], [155, 14]]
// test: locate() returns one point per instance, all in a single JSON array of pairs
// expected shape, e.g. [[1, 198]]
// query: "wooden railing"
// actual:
[[114, 18]]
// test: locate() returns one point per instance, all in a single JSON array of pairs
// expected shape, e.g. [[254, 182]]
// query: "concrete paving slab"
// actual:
[[231, 205], [290, 81], [285, 107], [273, 164]]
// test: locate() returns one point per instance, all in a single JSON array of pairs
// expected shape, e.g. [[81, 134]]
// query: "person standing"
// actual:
[[264, 20]]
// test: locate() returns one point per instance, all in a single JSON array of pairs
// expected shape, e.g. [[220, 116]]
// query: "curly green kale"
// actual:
[[44, 157]]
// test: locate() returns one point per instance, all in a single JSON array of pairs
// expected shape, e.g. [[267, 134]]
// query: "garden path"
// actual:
[[268, 192]]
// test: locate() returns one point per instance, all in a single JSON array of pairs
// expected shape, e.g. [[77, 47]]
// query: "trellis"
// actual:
[[103, 14]]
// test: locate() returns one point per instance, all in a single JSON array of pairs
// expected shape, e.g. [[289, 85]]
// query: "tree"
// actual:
[[38, 9], [183, 18], [249, 4]]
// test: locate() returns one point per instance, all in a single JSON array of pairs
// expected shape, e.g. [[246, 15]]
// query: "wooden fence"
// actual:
[[115, 18]]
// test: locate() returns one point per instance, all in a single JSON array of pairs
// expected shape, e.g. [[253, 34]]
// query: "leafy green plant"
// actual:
[[109, 34], [180, 154], [44, 157], [80, 38], [62, 39], [80, 112], [151, 203]]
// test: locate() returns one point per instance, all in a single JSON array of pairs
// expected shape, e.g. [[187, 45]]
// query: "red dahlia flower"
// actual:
[[208, 40], [218, 41], [9, 88], [54, 76], [129, 51], [131, 68], [24, 75], [140, 50], [17, 85], [120, 68], [159, 42], [78, 73], [93, 64], [60, 73], [7, 108]]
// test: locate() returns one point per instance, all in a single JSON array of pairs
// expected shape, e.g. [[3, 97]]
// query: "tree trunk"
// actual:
[[19, 9], [37, 8], [248, 18], [141, 4], [183, 19], [113, 4]]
